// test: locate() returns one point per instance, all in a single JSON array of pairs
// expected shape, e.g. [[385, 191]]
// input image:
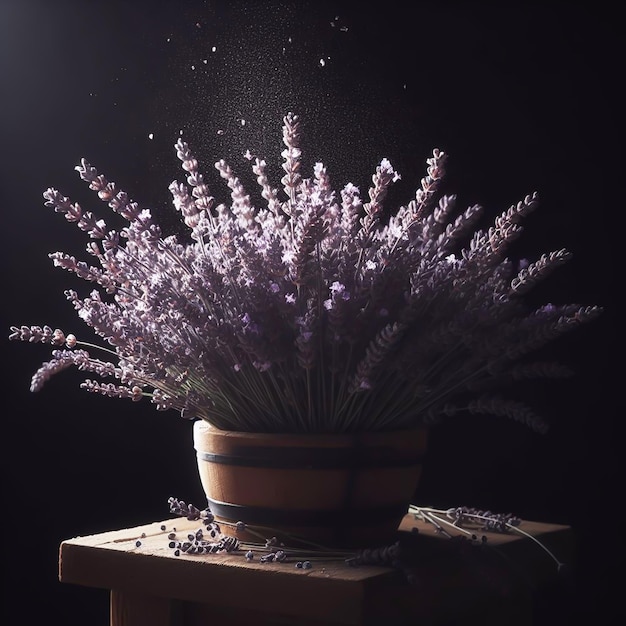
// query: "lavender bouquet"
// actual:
[[316, 312]]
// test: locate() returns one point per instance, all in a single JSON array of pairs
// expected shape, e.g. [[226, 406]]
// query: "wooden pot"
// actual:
[[336, 490]]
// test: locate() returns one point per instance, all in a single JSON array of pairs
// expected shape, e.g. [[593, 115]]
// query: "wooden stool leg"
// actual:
[[134, 609]]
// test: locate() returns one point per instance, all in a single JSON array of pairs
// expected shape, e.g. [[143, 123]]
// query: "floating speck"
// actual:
[[151, 136], [243, 122], [322, 62], [335, 23], [220, 132], [198, 25], [248, 155], [205, 61], [214, 49], [193, 67]]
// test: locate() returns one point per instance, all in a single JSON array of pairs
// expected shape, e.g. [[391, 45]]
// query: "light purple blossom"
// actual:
[[297, 308]]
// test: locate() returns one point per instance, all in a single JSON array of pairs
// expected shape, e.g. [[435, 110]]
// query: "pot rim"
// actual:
[[203, 428]]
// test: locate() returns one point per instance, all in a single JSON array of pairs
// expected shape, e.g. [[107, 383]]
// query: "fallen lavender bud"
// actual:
[[229, 544], [280, 555]]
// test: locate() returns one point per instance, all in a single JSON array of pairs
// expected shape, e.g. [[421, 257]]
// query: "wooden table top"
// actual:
[[113, 560]]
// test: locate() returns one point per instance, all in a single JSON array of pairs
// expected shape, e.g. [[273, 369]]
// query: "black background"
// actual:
[[522, 97]]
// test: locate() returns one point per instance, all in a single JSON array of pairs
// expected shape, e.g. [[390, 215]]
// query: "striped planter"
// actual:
[[338, 490]]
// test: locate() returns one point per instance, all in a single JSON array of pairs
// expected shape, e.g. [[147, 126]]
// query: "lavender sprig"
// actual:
[[190, 511], [460, 518], [494, 522], [385, 555]]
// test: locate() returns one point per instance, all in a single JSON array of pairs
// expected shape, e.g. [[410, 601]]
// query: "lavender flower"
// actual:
[[385, 555], [302, 309]]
